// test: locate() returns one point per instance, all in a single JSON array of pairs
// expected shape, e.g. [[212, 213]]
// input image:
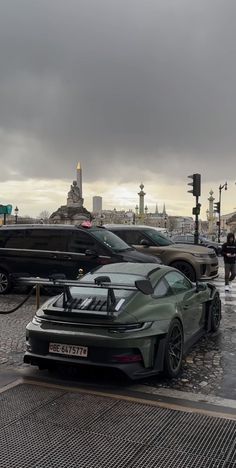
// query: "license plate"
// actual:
[[68, 350]]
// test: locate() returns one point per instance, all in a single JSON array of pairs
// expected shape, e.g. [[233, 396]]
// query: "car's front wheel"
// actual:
[[186, 269], [5, 282], [174, 349]]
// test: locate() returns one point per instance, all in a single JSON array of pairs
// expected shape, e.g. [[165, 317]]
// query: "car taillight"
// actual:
[[126, 358]]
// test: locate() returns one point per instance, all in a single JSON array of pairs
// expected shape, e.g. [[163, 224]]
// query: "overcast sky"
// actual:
[[136, 90]]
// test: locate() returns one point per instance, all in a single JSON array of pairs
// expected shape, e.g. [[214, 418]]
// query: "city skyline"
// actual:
[[136, 91], [126, 198]]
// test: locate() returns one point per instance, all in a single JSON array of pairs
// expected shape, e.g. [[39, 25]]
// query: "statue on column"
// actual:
[[74, 196]]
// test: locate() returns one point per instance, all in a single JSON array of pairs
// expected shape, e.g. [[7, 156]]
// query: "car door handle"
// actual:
[[186, 307], [67, 257]]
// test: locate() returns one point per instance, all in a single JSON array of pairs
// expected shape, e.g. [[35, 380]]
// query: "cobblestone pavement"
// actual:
[[209, 368]]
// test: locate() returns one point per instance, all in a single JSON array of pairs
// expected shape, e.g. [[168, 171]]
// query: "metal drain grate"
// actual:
[[49, 428]]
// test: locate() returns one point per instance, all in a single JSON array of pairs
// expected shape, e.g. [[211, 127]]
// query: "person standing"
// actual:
[[229, 254]]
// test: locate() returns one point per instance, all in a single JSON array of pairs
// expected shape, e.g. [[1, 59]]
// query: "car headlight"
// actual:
[[200, 255]]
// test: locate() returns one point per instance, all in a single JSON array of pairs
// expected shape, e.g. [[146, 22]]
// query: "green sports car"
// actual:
[[139, 318]]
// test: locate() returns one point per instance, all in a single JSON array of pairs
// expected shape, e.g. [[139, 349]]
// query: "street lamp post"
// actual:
[[16, 214], [221, 187]]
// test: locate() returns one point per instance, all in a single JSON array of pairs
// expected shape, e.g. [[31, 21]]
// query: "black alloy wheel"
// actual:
[[186, 269], [215, 313], [174, 349], [5, 283]]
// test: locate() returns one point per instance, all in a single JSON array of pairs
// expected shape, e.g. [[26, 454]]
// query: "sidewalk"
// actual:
[[54, 426], [50, 423]]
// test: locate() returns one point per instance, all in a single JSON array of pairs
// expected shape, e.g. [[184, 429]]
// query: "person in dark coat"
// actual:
[[229, 254]]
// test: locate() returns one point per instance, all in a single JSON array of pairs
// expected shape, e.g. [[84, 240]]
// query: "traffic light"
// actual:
[[217, 207], [196, 184], [197, 209]]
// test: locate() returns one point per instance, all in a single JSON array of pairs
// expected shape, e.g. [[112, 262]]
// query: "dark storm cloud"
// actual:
[[125, 86]]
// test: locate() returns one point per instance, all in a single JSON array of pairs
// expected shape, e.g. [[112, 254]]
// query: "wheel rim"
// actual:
[[3, 282], [175, 348], [186, 270], [216, 312]]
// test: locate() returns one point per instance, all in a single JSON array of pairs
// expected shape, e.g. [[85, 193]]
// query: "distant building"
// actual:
[[228, 222], [184, 224], [97, 204]]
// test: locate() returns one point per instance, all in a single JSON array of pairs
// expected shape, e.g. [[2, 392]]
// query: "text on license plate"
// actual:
[[69, 350]]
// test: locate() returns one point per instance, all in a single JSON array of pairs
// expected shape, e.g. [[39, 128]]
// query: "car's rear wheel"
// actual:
[[174, 349], [215, 313], [5, 282], [186, 269]]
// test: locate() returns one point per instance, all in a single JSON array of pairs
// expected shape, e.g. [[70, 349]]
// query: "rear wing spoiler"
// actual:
[[143, 285]]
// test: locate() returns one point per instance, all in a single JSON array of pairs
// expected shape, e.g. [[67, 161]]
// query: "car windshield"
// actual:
[[158, 237], [110, 240]]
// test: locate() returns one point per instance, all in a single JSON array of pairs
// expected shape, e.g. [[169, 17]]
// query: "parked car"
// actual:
[[189, 239], [43, 250], [137, 318], [196, 262]]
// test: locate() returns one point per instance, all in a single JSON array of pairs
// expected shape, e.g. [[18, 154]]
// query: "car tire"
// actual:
[[215, 313], [174, 349], [186, 269], [5, 282]]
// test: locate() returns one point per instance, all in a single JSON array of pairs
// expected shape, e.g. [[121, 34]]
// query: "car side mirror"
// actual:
[[200, 287], [145, 243], [144, 286]]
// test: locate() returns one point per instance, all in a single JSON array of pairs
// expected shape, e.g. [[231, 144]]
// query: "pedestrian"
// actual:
[[229, 254]]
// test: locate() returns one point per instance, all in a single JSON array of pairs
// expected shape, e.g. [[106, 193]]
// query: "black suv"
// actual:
[[44, 250]]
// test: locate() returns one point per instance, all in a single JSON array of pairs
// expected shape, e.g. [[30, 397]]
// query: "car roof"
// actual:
[[132, 227], [50, 226], [131, 268], [183, 235]]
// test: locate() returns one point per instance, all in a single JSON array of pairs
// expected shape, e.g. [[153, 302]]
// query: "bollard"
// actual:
[[80, 273]]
